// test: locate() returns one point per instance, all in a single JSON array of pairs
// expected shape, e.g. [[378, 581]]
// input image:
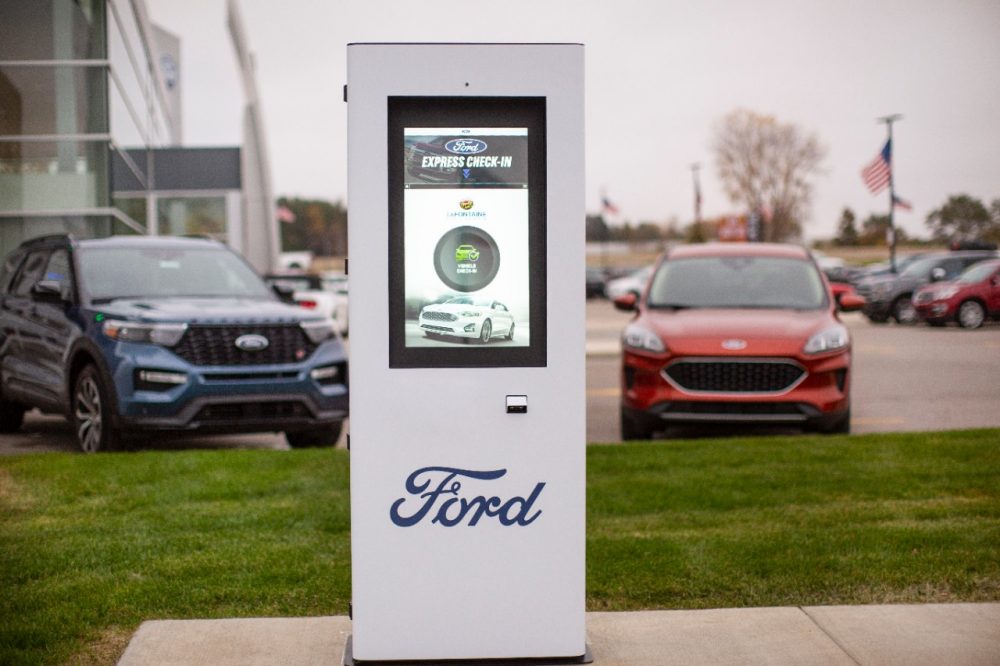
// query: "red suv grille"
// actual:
[[216, 345], [723, 376]]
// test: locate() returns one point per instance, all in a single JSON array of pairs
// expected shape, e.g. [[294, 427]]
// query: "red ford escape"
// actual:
[[735, 333]]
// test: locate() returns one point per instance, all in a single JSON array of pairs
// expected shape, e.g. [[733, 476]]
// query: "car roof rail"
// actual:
[[48, 238]]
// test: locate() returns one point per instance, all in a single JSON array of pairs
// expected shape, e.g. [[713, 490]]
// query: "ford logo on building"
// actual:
[[252, 342], [465, 146]]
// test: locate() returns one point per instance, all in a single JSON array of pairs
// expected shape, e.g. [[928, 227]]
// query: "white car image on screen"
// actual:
[[467, 317]]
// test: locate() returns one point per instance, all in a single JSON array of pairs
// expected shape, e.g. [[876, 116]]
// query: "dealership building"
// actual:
[[91, 133]]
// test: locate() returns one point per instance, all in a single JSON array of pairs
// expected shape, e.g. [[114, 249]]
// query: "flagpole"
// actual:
[[889, 120], [697, 192]]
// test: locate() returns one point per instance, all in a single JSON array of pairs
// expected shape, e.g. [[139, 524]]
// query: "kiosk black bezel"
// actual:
[[468, 112]]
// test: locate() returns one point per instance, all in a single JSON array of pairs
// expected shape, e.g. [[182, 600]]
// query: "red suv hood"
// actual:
[[701, 332]]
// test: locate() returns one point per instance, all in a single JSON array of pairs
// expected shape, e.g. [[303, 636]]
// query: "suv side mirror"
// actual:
[[938, 274], [627, 302], [47, 291], [285, 294], [850, 303]]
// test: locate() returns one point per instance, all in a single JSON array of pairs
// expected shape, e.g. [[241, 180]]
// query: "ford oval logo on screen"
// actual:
[[465, 146], [252, 342]]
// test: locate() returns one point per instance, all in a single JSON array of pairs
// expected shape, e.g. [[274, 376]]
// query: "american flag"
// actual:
[[901, 203], [877, 174], [285, 214], [607, 206]]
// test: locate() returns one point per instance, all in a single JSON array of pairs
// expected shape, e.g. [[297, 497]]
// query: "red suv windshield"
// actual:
[[738, 282]]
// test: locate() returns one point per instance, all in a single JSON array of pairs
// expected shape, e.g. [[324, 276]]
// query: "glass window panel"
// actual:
[[46, 175], [45, 99], [52, 30], [134, 207], [203, 216]]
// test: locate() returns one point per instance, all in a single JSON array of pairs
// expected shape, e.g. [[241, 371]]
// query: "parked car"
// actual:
[[309, 291], [891, 295], [336, 283], [135, 334], [970, 299], [633, 283], [596, 277], [735, 333], [469, 318], [868, 275]]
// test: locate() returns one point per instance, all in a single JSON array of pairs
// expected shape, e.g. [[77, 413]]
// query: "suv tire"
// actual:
[[11, 416], [92, 413], [326, 436], [903, 311], [631, 429], [971, 314]]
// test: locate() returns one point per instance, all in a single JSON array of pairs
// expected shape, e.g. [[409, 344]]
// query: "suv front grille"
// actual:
[[723, 376], [216, 345]]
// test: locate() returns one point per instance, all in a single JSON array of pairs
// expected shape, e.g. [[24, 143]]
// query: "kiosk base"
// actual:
[[586, 658]]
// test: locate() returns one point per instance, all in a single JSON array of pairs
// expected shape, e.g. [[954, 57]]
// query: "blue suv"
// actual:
[[130, 334]]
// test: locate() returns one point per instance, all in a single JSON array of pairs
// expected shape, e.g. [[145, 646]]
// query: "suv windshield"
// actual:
[[110, 273], [921, 268], [978, 272], [737, 282]]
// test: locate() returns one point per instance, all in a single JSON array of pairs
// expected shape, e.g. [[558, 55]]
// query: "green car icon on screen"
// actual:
[[466, 253]]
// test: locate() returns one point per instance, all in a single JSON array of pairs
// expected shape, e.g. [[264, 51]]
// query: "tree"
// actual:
[[964, 218], [874, 229], [766, 166], [319, 226], [847, 233], [597, 229]]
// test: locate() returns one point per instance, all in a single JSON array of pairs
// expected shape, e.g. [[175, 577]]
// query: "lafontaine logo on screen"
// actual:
[[465, 146], [427, 485], [465, 204]]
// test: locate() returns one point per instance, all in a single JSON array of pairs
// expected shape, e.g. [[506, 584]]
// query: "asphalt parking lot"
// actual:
[[905, 379]]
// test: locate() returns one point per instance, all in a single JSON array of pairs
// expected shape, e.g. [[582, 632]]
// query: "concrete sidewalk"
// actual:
[[953, 634]]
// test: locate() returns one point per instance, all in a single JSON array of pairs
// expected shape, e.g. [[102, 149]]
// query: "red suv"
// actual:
[[738, 333], [970, 299]]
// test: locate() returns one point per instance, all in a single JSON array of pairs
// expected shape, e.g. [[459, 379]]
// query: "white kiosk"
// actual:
[[467, 435]]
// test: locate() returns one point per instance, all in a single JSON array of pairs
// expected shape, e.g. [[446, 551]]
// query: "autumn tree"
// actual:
[[964, 218], [767, 166], [847, 232], [319, 226]]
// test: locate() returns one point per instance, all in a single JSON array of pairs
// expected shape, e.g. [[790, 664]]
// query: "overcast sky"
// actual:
[[660, 75]]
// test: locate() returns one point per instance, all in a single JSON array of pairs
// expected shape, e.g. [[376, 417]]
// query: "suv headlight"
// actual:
[[639, 337], [827, 340], [318, 330], [167, 335]]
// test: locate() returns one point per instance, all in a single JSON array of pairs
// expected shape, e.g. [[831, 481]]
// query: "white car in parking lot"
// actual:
[[467, 317]]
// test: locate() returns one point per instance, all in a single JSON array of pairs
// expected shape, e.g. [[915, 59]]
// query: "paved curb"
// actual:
[[911, 635]]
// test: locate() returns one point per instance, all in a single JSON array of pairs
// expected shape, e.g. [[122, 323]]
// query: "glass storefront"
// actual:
[[52, 29], [201, 216], [53, 175], [53, 99]]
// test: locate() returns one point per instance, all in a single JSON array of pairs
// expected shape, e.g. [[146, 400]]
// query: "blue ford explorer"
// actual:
[[130, 334]]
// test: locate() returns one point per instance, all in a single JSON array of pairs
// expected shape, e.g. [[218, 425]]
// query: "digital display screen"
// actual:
[[466, 233]]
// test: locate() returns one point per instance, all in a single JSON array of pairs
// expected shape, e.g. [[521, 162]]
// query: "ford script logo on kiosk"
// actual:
[[465, 146], [252, 342], [455, 507]]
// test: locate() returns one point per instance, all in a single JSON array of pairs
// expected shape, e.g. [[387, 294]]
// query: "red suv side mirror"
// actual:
[[851, 303], [627, 302]]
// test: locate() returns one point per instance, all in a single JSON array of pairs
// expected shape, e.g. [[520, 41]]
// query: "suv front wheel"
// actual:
[[325, 436], [92, 413]]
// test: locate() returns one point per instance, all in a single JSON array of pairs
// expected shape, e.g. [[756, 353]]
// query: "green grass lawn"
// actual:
[[90, 546]]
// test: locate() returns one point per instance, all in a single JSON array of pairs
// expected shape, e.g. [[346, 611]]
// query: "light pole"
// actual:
[[697, 193]]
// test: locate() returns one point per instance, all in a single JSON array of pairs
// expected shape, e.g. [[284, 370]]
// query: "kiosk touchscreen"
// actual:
[[467, 428], [467, 232]]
